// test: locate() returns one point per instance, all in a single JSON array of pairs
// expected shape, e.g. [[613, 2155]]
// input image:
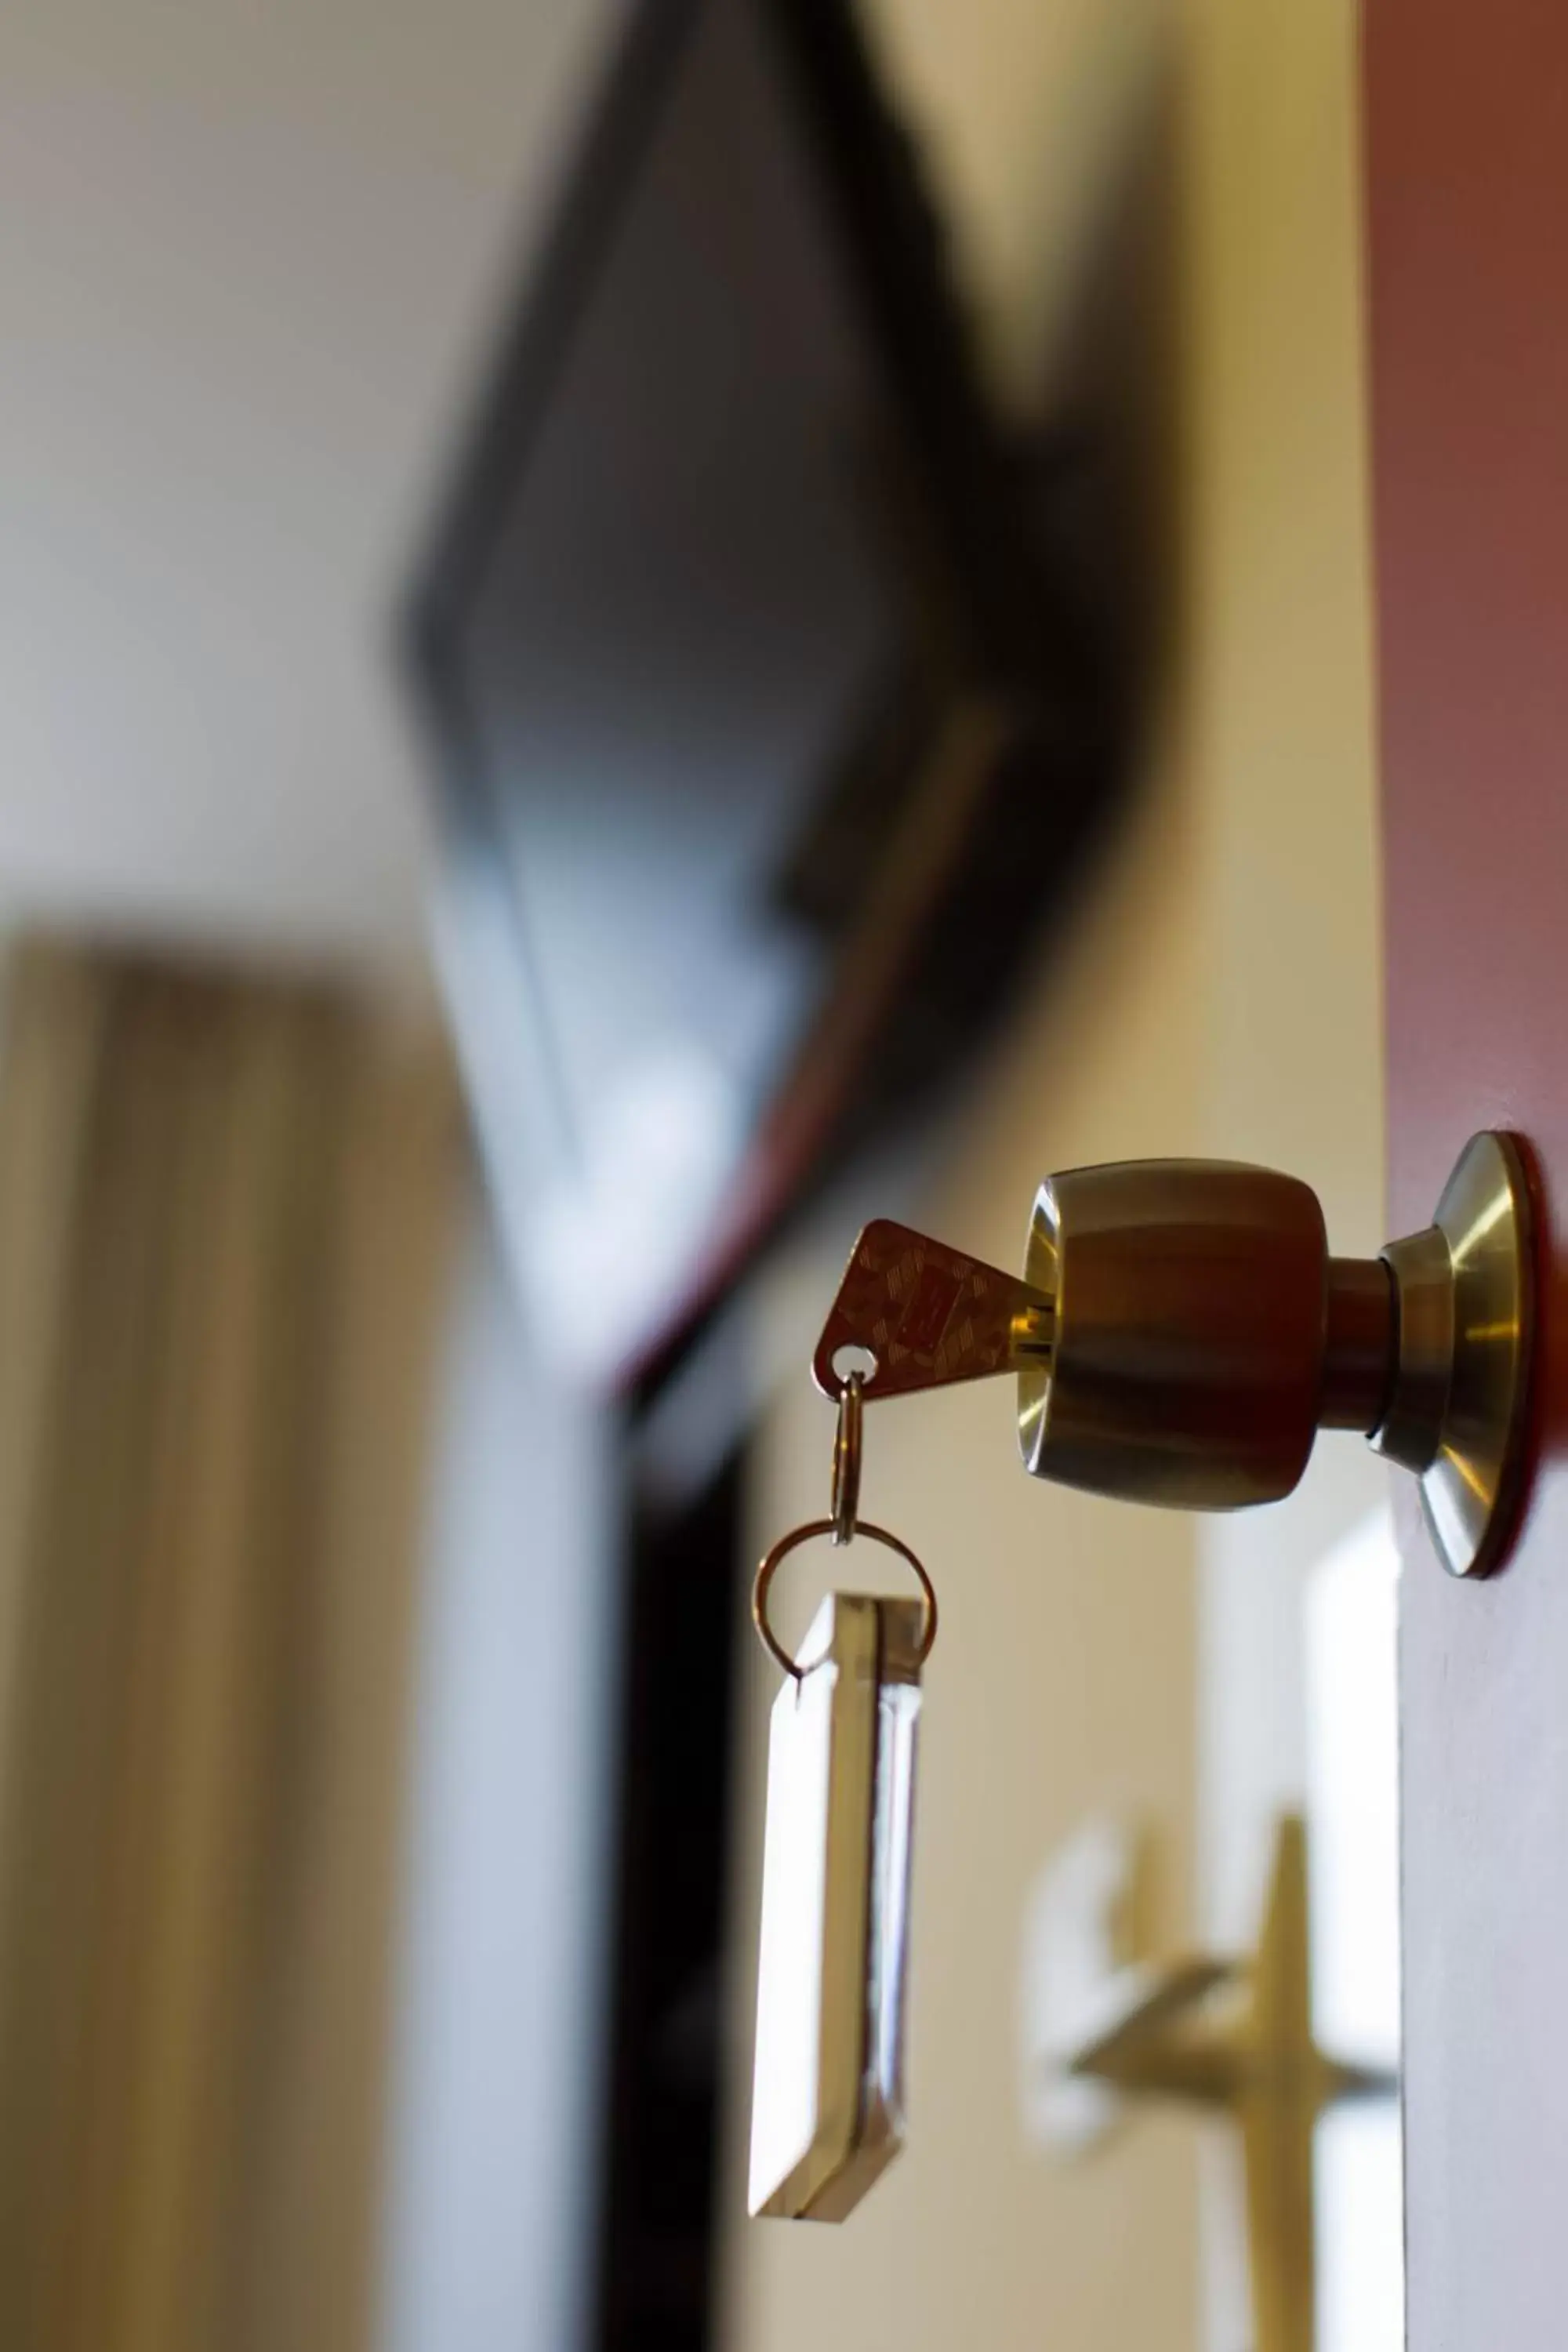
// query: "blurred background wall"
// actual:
[[1220, 996], [225, 1204], [496, 2053], [248, 257]]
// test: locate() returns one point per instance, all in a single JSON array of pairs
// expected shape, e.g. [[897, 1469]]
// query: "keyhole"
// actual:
[[852, 1358]]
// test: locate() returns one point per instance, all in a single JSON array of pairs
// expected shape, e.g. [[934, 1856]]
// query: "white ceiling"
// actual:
[[250, 252]]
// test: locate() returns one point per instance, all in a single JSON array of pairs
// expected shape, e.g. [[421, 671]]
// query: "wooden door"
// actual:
[[1466, 131]]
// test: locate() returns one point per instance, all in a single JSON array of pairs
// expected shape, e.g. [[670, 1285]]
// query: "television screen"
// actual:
[[722, 649]]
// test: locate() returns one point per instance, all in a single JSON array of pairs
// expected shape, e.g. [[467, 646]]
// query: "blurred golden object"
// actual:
[[223, 1209], [1237, 2036]]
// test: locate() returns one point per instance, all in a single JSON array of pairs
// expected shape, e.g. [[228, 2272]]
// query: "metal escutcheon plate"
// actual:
[[1471, 1489]]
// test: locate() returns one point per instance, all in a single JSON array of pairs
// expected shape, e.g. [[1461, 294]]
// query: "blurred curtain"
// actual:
[[224, 1209]]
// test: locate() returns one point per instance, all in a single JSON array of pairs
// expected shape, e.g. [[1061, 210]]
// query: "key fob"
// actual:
[[827, 2108]]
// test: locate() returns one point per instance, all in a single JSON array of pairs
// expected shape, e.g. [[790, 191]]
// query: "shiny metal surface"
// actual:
[[1357, 1346], [1182, 1334], [827, 2109], [1458, 1410], [1412, 1421], [771, 1561], [1188, 1363], [848, 1447], [1237, 2037], [928, 1314]]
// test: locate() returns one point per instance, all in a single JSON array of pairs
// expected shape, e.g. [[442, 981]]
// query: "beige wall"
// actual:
[[1220, 995]]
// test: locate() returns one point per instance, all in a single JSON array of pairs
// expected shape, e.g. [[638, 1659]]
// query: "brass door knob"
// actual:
[[1181, 1333], [1236, 2038]]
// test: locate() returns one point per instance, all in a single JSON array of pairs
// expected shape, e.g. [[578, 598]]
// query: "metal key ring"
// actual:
[[847, 1458], [786, 1544]]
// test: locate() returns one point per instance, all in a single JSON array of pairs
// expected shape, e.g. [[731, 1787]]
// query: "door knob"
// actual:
[[1235, 2038], [1181, 1333]]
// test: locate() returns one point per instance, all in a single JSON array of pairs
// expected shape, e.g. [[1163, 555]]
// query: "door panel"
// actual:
[[1467, 129]]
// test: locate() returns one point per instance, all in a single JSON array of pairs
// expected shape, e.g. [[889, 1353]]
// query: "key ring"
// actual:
[[780, 1551], [843, 1526], [847, 1438]]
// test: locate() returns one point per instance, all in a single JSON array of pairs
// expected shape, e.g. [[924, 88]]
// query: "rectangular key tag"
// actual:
[[827, 2110]]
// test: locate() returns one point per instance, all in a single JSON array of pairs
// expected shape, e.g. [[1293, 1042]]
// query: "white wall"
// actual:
[[498, 2057], [247, 255], [1220, 996]]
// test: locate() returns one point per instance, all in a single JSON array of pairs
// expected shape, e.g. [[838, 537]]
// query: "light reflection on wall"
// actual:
[[1352, 1802]]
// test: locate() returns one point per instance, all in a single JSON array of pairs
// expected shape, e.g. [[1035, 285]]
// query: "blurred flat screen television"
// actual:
[[768, 717]]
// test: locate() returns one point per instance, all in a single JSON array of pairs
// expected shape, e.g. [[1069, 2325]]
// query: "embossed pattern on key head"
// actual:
[[929, 1315]]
